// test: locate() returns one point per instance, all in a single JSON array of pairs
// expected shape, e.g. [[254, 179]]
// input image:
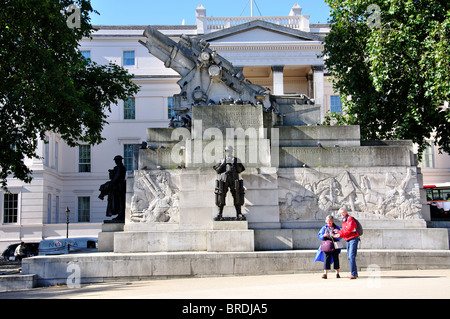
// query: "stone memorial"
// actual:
[[296, 171]]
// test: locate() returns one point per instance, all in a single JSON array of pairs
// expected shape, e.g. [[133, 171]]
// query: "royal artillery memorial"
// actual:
[[297, 172]]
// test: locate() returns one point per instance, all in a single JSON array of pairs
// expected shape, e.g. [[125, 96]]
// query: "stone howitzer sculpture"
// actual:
[[206, 77]]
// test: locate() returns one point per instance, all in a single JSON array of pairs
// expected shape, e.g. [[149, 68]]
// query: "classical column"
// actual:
[[310, 80], [278, 85], [318, 89]]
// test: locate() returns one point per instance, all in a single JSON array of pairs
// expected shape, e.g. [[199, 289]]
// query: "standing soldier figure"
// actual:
[[115, 189], [229, 169]]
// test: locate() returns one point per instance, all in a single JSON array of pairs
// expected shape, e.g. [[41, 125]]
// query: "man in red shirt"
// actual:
[[351, 236]]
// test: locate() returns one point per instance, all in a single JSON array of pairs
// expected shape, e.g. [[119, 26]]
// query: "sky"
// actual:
[[173, 12]]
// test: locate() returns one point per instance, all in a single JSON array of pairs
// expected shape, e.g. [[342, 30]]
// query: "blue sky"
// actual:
[[172, 12]]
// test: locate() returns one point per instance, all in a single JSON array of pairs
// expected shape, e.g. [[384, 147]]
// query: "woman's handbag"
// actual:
[[327, 246], [338, 244]]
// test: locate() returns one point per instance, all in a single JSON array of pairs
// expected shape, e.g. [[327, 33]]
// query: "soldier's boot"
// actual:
[[239, 215], [219, 213]]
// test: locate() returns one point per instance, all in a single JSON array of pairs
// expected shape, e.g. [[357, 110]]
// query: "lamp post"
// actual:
[[67, 221]]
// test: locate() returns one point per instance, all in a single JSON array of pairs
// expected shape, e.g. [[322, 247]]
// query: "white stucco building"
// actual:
[[280, 53]]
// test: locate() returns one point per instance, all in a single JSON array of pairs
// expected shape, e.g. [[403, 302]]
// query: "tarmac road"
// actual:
[[403, 284]]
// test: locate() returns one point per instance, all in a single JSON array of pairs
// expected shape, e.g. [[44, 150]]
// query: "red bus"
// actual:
[[438, 197]]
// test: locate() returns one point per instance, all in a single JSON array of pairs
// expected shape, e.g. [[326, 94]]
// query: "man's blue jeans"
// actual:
[[352, 247]]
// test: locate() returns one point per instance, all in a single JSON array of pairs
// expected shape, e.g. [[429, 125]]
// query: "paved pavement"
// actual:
[[423, 284]]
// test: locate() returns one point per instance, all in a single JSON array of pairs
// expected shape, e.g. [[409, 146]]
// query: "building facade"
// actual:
[[280, 53]]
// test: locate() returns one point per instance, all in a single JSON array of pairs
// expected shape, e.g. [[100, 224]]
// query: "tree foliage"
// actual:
[[393, 74], [45, 82]]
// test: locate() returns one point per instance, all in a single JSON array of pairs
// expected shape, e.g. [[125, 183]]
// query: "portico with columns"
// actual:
[[280, 53]]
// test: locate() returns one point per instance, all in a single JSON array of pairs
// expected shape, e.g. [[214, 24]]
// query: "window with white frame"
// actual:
[[84, 209], [170, 108], [57, 209], [128, 150], [335, 104], [84, 158], [129, 58], [56, 156], [10, 208], [129, 109], [46, 152], [428, 157], [49, 208]]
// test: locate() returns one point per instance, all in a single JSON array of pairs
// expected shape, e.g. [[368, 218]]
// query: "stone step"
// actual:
[[378, 238], [107, 267], [17, 282]]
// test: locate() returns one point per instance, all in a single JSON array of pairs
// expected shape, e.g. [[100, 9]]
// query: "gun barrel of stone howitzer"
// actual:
[[173, 55]]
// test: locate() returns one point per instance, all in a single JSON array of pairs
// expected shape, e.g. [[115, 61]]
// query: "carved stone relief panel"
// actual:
[[381, 194], [155, 198]]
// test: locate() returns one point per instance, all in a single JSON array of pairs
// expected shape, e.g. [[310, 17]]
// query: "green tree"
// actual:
[[390, 61], [45, 82]]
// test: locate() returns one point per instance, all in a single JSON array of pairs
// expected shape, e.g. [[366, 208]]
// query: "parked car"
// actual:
[[31, 249], [67, 245]]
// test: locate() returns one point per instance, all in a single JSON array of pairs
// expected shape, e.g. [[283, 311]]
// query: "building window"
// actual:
[[10, 208], [335, 104], [87, 56], [84, 209], [84, 158], [170, 109], [128, 58], [428, 157], [49, 208], [129, 109], [57, 209], [56, 156], [46, 152], [128, 156]]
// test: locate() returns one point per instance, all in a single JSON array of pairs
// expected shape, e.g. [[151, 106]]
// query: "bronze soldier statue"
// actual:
[[229, 169], [115, 189]]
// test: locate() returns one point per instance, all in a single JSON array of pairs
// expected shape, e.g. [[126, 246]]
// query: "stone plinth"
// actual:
[[106, 236], [227, 236], [363, 156], [230, 225], [206, 153], [327, 136], [226, 119], [157, 158], [213, 128], [162, 135], [159, 241], [300, 114], [230, 240]]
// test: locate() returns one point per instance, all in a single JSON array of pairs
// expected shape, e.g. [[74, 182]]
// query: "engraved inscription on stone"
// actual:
[[227, 116]]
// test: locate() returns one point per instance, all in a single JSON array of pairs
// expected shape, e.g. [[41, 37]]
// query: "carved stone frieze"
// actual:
[[379, 195], [155, 199]]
